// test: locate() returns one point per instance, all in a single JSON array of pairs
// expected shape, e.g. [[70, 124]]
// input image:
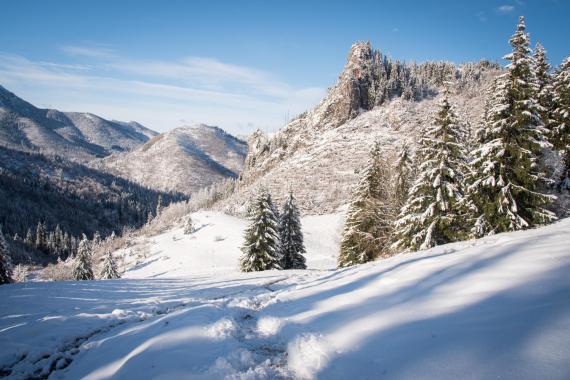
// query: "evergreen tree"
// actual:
[[188, 226], [402, 176], [96, 238], [432, 213], [291, 236], [261, 246], [561, 123], [109, 269], [29, 240], [159, 205], [504, 190], [541, 72], [368, 226], [82, 268], [41, 236], [5, 260], [57, 241]]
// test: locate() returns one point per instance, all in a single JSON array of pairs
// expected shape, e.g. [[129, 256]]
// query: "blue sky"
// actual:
[[238, 64]]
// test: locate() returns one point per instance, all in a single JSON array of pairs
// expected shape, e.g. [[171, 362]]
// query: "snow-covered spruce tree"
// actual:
[[82, 268], [544, 90], [291, 237], [368, 226], [109, 269], [261, 246], [41, 236], [432, 213], [504, 191], [96, 238], [561, 120], [5, 260], [159, 206], [402, 175], [188, 226]]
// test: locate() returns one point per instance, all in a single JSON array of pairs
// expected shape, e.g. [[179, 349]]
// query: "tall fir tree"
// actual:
[[261, 247], [504, 190], [291, 237], [109, 269], [5, 260], [41, 236], [82, 268], [368, 226], [543, 82], [29, 239], [402, 175], [561, 123], [159, 205], [432, 213]]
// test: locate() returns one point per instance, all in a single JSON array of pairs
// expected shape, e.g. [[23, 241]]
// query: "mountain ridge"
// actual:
[[184, 159], [79, 136], [319, 153]]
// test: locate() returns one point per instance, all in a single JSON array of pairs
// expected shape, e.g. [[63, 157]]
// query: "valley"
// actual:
[[281, 210]]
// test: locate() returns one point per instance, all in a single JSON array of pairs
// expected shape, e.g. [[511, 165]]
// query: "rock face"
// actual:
[[350, 96], [185, 159], [318, 154], [72, 135]]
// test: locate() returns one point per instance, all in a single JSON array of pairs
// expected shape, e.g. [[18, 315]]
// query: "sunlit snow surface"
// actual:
[[498, 307]]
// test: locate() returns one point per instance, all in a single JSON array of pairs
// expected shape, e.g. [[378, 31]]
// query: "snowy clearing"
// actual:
[[498, 307], [214, 248]]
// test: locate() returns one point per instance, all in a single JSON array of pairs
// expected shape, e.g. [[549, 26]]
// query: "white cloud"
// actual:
[[88, 51], [206, 72], [504, 9], [160, 94]]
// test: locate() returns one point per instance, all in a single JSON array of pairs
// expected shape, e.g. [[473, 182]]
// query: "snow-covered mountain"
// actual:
[[184, 159], [496, 307], [72, 135], [319, 153]]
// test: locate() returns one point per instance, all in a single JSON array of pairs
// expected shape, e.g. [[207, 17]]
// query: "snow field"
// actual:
[[497, 307], [214, 248]]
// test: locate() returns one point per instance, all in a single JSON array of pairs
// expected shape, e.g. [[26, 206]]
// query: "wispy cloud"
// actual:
[[88, 51], [206, 72], [158, 93], [505, 9]]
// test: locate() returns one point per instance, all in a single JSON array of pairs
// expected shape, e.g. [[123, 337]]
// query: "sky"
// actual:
[[240, 65]]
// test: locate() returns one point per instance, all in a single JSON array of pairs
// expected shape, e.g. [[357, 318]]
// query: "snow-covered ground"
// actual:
[[498, 307], [214, 248]]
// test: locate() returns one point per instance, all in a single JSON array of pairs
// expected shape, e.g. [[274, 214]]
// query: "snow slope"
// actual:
[[497, 307], [214, 248]]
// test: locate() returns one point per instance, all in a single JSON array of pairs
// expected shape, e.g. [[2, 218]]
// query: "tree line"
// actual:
[[49, 202]]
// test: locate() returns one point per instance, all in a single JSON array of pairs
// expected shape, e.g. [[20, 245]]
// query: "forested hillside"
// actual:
[[67, 200]]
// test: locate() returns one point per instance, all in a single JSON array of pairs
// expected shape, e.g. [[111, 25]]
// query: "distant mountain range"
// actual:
[[73, 135], [85, 174], [184, 160]]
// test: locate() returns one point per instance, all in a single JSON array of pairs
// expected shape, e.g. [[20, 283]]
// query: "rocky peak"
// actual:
[[257, 143], [349, 96]]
